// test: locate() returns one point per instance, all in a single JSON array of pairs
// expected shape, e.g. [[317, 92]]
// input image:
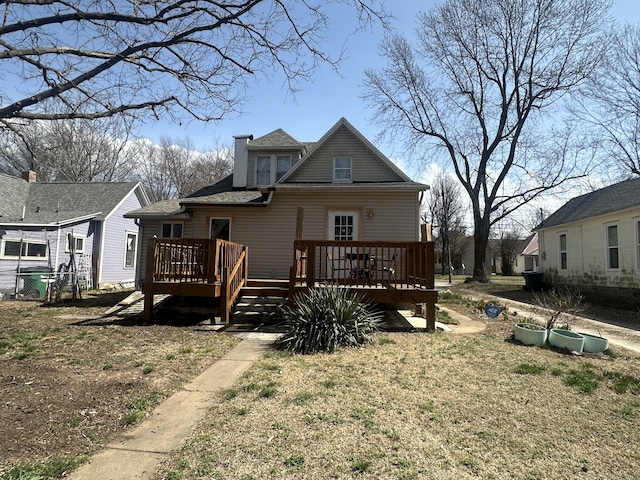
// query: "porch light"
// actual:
[[370, 213]]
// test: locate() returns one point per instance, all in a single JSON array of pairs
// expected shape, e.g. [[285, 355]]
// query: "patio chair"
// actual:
[[384, 269], [338, 267]]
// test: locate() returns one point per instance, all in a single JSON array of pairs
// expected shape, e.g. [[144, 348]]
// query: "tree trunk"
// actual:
[[480, 243]]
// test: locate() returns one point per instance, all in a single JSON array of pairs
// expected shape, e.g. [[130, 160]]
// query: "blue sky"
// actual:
[[320, 104]]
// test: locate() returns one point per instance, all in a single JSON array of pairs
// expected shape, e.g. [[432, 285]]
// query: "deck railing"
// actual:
[[363, 264], [178, 262]]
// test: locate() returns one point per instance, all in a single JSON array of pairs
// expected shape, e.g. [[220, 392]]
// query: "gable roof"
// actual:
[[59, 203], [276, 140], [320, 143], [616, 197]]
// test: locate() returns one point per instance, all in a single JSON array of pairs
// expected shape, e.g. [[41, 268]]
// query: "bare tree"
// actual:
[[508, 244], [476, 87], [174, 169], [446, 210], [611, 101], [76, 150], [97, 58]]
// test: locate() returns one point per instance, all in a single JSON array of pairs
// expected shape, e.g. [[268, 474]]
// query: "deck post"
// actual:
[[430, 315], [225, 308], [147, 314]]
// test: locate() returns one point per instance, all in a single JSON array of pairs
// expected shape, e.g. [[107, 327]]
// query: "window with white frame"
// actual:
[[77, 241], [562, 240], [263, 170], [171, 230], [220, 228], [343, 225], [613, 247], [131, 245], [24, 249], [342, 169], [283, 164]]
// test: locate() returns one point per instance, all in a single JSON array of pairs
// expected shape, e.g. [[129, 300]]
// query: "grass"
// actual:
[[415, 406], [56, 467]]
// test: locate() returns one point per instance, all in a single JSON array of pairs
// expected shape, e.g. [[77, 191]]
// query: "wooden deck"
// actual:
[[383, 272], [197, 267]]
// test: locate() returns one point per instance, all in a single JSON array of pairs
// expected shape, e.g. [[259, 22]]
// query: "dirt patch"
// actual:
[[70, 380]]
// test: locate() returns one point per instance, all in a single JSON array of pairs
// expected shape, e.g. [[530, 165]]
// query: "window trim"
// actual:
[[230, 219], [26, 249], [276, 171], [608, 247], [565, 251], [357, 221], [162, 224], [335, 169], [75, 238], [255, 178], [135, 249]]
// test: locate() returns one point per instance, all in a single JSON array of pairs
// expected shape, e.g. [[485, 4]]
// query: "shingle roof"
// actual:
[[53, 202], [613, 198], [276, 139], [221, 193]]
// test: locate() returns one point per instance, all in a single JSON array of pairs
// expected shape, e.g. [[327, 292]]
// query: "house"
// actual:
[[349, 191], [530, 253], [593, 241], [304, 214], [42, 223]]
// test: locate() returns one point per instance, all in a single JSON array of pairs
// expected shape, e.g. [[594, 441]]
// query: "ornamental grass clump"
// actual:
[[326, 319]]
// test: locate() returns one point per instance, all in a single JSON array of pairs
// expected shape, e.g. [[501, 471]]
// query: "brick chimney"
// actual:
[[30, 176]]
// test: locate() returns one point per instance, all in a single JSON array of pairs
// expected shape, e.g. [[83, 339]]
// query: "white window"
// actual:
[[342, 169], [613, 247], [563, 251], [263, 170], [24, 249], [77, 241], [283, 164], [131, 245], [171, 230], [343, 225], [220, 228]]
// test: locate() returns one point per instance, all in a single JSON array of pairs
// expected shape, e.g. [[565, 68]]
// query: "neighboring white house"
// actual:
[[594, 240]]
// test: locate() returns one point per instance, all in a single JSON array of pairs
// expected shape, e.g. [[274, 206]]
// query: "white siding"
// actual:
[[587, 251]]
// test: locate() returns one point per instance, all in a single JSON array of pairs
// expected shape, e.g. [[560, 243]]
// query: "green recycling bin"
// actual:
[[34, 281]]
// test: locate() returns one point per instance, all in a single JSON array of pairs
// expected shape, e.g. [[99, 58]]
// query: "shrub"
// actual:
[[326, 319]]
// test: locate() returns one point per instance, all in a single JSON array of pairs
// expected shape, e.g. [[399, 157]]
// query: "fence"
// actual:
[[39, 283]]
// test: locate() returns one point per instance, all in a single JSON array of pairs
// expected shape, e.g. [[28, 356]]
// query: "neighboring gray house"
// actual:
[[349, 191], [594, 241], [37, 220]]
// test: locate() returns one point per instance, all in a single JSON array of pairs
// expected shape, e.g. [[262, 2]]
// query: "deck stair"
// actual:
[[266, 287], [262, 310]]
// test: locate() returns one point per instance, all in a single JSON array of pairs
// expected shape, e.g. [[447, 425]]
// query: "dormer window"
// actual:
[[342, 169], [263, 170], [270, 169], [283, 164]]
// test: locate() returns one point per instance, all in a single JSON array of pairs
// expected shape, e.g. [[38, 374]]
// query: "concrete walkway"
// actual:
[[138, 454]]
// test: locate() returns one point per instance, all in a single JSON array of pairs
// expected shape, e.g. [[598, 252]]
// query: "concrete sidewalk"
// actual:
[[138, 454]]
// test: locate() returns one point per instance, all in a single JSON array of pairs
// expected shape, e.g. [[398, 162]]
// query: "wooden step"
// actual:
[[266, 291]]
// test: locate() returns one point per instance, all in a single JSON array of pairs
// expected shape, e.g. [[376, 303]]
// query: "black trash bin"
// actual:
[[34, 281], [533, 281]]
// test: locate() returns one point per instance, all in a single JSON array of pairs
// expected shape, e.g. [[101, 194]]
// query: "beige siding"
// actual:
[[269, 232], [366, 167], [149, 229], [587, 251]]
